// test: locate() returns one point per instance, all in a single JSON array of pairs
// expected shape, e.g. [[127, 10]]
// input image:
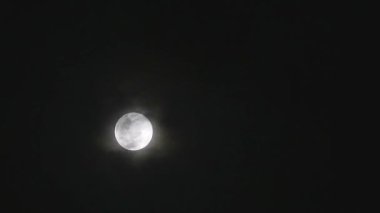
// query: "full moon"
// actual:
[[133, 131]]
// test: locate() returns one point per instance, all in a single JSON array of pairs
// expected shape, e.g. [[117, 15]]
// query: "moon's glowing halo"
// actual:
[[133, 131]]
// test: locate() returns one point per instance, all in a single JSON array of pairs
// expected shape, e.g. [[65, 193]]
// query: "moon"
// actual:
[[133, 131]]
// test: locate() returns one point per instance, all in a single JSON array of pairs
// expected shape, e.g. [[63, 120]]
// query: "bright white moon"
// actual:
[[133, 131]]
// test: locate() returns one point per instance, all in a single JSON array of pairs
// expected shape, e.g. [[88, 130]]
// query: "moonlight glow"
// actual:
[[133, 131]]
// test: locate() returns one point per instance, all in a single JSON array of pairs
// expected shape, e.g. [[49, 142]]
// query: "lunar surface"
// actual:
[[133, 131]]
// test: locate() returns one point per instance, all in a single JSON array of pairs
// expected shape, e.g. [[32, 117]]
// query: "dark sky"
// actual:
[[238, 93]]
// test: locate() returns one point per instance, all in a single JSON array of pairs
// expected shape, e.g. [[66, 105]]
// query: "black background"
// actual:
[[239, 94]]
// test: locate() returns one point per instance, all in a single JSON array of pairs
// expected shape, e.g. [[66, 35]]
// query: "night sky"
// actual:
[[238, 94]]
